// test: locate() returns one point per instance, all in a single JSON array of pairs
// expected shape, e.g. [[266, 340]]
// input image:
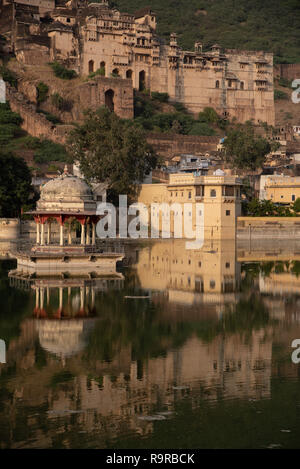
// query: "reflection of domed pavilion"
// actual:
[[64, 200]]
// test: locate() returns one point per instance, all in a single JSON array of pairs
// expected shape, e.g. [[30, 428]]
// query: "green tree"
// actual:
[[245, 150], [15, 185], [112, 150], [296, 205]]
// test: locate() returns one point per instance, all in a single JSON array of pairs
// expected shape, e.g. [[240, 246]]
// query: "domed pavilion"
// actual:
[[63, 200]]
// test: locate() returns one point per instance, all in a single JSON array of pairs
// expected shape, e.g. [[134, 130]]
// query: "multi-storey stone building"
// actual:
[[91, 37]]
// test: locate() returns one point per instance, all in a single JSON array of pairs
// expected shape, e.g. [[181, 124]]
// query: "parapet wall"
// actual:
[[9, 229], [169, 145], [268, 227]]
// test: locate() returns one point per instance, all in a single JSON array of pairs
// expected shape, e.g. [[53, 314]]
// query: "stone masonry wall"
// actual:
[[35, 124]]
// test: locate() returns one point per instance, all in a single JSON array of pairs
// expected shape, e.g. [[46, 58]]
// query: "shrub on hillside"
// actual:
[[60, 103], [50, 117], [62, 72], [161, 97], [7, 116], [9, 76], [208, 115], [278, 94], [42, 92], [50, 151], [179, 107], [201, 128], [8, 132]]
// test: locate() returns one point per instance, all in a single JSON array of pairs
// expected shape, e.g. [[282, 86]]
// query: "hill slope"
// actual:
[[272, 25]]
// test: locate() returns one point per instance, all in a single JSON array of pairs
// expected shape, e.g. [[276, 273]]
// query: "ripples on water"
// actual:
[[202, 358]]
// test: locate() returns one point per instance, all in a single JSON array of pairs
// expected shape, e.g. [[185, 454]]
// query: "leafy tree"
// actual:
[[296, 205], [243, 149], [266, 208], [112, 150], [15, 185]]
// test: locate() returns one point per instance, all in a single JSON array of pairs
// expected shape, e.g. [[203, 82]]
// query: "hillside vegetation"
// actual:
[[271, 25]]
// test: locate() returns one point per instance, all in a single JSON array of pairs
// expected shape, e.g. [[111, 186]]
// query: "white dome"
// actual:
[[66, 193], [66, 187]]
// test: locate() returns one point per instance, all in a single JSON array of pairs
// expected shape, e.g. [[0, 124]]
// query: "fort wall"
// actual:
[[287, 71], [169, 145]]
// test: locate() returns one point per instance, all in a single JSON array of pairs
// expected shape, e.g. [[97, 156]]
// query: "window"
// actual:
[[190, 195], [228, 191], [293, 197], [227, 213], [217, 84], [212, 284], [199, 191], [227, 265], [213, 193], [242, 85]]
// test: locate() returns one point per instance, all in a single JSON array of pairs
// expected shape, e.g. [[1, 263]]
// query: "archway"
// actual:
[[115, 72], [129, 74], [142, 80], [91, 66], [109, 100]]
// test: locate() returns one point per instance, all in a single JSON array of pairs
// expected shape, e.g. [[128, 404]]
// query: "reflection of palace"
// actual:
[[209, 275], [104, 396]]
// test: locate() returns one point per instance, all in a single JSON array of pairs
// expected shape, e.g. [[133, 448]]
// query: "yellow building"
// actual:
[[279, 188], [215, 202]]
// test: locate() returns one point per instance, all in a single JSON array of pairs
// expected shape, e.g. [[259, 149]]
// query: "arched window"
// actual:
[[115, 72], [242, 85], [91, 66], [217, 84], [142, 80], [213, 193], [102, 68], [129, 74], [109, 100]]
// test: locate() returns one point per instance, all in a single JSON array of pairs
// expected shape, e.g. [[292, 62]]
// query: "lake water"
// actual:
[[182, 349]]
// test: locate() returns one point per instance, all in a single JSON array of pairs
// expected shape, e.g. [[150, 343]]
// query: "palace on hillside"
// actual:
[[90, 37]]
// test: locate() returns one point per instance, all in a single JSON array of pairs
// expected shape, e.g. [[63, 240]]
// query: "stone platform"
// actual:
[[61, 261]]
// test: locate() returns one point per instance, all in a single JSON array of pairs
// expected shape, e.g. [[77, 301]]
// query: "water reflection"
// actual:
[[89, 367]]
